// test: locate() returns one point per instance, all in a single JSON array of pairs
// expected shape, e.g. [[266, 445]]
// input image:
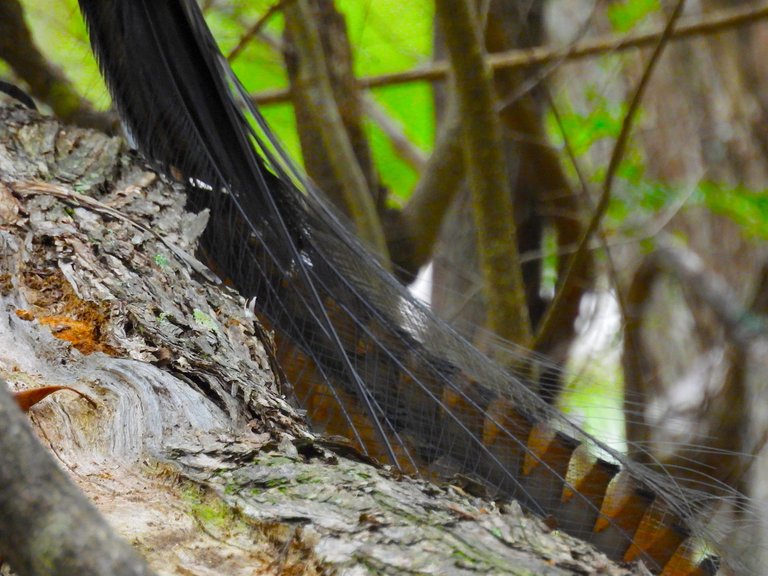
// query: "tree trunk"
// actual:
[[192, 453]]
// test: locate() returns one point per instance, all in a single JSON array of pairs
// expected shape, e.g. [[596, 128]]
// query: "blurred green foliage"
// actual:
[[386, 36], [747, 208], [624, 15], [637, 198]]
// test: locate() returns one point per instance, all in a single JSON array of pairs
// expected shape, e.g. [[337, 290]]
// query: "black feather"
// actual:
[[277, 240]]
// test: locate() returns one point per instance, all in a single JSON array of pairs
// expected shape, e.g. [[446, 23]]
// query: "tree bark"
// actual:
[[492, 207], [342, 168], [193, 453], [49, 526]]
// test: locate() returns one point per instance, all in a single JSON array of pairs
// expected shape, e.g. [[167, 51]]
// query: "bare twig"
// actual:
[[411, 154], [587, 198], [254, 30], [550, 318], [313, 78], [420, 220], [743, 327], [718, 22]]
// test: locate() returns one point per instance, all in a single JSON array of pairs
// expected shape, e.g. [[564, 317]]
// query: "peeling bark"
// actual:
[[193, 454]]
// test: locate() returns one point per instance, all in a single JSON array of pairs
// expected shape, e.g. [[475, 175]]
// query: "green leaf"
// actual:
[[747, 208], [624, 16]]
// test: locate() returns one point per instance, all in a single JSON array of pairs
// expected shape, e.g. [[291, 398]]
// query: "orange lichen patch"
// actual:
[[25, 315], [28, 398], [588, 475], [82, 334], [657, 537], [55, 304], [78, 333], [624, 505]]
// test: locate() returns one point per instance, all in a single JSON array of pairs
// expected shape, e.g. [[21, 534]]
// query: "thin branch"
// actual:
[[422, 216], [640, 371], [46, 82], [550, 319], [743, 327], [486, 172], [312, 77], [613, 273], [254, 30], [410, 153], [719, 21]]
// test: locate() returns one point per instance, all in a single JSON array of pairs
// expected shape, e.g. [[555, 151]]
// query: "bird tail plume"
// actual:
[[365, 357]]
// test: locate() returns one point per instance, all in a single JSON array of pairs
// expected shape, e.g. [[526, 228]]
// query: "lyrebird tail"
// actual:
[[367, 359]]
